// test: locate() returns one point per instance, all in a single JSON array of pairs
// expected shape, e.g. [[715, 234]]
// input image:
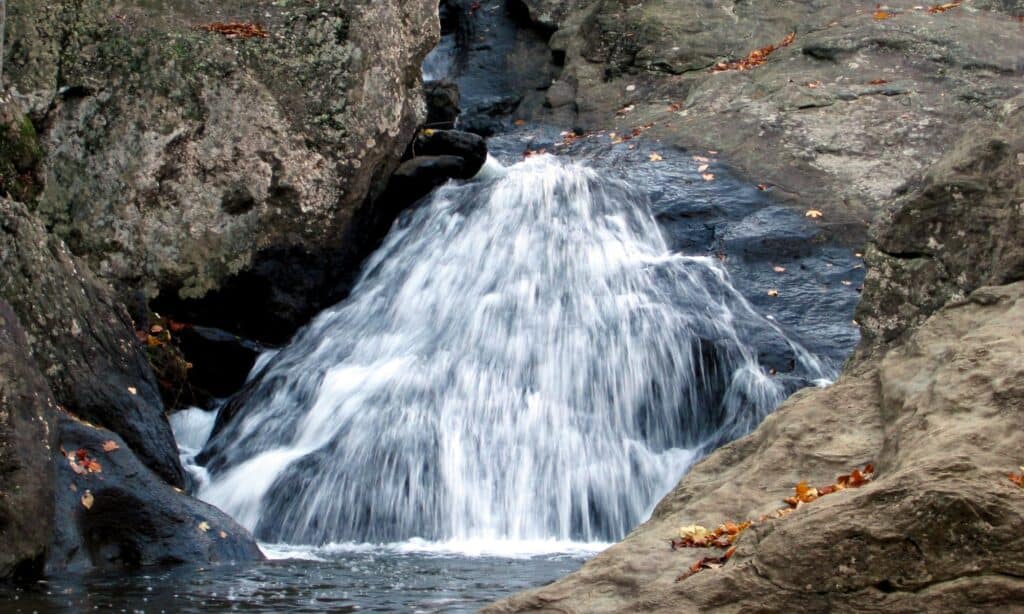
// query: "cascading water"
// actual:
[[522, 359]]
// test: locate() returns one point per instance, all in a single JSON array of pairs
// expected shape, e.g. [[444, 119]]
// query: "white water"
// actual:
[[523, 364]]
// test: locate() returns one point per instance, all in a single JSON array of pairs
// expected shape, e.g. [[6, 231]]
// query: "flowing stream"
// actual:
[[523, 360]]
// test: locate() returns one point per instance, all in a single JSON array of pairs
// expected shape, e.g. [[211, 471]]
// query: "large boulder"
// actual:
[[113, 512], [27, 438], [82, 340], [180, 159]]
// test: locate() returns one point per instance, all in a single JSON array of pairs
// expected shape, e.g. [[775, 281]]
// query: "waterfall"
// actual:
[[523, 359]]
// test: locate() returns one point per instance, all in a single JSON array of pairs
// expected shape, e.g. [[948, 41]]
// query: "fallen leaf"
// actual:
[[754, 58], [773, 293], [223, 535], [878, 82], [813, 84], [708, 176], [813, 214], [656, 157], [846, 283], [702, 168], [520, 122], [236, 29], [110, 445], [204, 526], [942, 8], [779, 269], [133, 390], [701, 159], [87, 500], [881, 15]]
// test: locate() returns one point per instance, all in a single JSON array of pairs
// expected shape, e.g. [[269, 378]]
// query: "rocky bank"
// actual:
[[838, 120], [154, 159], [933, 397]]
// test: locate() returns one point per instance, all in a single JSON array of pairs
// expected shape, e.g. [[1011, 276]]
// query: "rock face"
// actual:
[[179, 161], [837, 121], [82, 340], [954, 231], [933, 400], [26, 441], [123, 516]]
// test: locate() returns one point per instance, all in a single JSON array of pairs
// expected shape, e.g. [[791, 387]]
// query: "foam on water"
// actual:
[[523, 366]]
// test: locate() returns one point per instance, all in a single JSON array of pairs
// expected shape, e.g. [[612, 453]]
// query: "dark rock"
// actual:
[[416, 178], [442, 104], [82, 340], [220, 360], [124, 516], [26, 441], [470, 147]]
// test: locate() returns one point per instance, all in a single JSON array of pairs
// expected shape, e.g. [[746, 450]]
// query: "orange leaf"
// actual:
[[881, 15], [110, 445]]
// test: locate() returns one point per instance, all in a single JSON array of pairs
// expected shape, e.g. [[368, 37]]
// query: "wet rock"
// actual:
[[27, 438], [442, 104], [220, 361], [466, 145], [124, 516], [418, 177], [82, 340], [176, 159]]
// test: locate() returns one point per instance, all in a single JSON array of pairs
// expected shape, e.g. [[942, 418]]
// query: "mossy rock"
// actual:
[[20, 153]]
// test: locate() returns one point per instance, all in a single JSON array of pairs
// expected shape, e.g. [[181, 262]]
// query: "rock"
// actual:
[[468, 146], [560, 94], [82, 340], [123, 516], [26, 441], [933, 400], [550, 14], [837, 121], [442, 104], [416, 178], [177, 159], [937, 530], [20, 153], [955, 230], [220, 361]]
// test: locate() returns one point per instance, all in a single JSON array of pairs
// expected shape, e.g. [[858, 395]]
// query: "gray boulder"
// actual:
[[177, 159]]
